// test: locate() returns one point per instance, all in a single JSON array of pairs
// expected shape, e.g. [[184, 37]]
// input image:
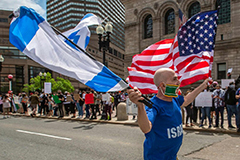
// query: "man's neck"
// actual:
[[164, 98]]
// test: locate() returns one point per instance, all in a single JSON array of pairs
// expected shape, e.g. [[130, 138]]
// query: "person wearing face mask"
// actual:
[[218, 95], [162, 124], [231, 101]]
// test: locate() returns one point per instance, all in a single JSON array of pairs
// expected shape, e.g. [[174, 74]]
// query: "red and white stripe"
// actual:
[[145, 64]]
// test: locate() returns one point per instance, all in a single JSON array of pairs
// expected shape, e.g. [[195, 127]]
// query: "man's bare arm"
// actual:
[[143, 121], [191, 96]]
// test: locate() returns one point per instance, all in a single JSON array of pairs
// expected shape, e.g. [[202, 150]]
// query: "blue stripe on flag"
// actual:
[[74, 38], [28, 17], [87, 15], [104, 80], [87, 41]]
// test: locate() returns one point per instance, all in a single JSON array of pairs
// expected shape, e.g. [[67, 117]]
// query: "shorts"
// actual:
[[6, 109], [34, 105], [212, 108], [50, 106]]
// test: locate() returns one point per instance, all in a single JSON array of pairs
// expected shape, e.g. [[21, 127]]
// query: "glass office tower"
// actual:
[[66, 14]]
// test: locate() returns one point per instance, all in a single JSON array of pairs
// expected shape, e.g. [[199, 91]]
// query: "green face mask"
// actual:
[[171, 90]]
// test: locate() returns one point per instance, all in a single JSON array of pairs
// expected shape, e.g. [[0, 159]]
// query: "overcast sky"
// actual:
[[38, 5]]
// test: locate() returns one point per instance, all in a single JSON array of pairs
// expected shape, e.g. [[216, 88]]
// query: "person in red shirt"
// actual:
[[89, 99]]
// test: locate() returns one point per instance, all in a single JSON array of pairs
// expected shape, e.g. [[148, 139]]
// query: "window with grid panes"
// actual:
[[194, 9], [148, 27], [224, 14], [170, 22]]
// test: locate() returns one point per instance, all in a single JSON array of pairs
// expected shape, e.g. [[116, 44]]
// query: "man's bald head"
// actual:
[[162, 75]]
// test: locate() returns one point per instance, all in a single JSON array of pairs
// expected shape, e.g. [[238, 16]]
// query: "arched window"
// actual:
[[148, 27], [170, 22], [194, 9], [224, 14]]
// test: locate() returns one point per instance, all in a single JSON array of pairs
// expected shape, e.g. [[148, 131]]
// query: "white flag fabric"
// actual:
[[80, 35], [32, 35]]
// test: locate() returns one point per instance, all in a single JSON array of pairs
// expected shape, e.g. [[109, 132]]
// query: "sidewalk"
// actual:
[[132, 122]]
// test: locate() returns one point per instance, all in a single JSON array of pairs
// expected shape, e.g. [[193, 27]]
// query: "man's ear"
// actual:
[[162, 85]]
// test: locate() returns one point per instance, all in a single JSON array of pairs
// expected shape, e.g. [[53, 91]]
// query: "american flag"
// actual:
[[145, 64], [182, 18], [190, 54], [193, 48]]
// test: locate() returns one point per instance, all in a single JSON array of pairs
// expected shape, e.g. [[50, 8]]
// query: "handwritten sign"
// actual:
[[47, 87], [204, 99], [225, 82], [132, 108]]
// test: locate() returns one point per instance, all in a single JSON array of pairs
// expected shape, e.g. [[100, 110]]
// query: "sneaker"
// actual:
[[231, 127], [31, 115], [73, 117], [210, 126], [201, 125]]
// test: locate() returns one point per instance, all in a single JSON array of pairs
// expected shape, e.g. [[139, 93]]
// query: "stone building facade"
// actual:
[[164, 17]]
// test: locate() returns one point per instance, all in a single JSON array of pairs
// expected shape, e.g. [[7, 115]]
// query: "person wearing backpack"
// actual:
[[230, 100]]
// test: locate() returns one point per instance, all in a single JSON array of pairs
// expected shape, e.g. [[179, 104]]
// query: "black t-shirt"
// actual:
[[117, 98], [81, 101], [60, 96]]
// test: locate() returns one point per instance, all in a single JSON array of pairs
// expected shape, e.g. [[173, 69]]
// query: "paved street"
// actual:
[[36, 138]]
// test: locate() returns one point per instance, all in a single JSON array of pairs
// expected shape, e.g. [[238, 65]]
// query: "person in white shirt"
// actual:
[[106, 99], [6, 106]]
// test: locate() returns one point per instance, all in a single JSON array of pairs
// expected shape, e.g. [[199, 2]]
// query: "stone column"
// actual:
[[122, 112]]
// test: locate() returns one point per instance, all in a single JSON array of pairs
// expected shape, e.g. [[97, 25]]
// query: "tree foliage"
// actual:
[[37, 83]]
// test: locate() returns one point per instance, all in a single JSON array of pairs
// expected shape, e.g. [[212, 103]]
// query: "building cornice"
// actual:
[[227, 44]]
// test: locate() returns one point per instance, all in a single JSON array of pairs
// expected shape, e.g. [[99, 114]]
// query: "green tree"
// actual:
[[60, 84]]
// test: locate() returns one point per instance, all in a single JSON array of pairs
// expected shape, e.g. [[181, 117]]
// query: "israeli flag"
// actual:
[[80, 35], [32, 35]]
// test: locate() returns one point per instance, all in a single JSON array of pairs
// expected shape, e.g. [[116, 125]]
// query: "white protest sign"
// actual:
[[47, 87], [204, 99], [225, 82], [230, 70], [131, 107]]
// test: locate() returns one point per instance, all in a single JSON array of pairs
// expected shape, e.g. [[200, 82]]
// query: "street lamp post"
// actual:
[[10, 77], [42, 78], [104, 39], [1, 61]]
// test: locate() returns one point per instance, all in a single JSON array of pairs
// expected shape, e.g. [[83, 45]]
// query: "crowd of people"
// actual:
[[86, 104], [222, 99]]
